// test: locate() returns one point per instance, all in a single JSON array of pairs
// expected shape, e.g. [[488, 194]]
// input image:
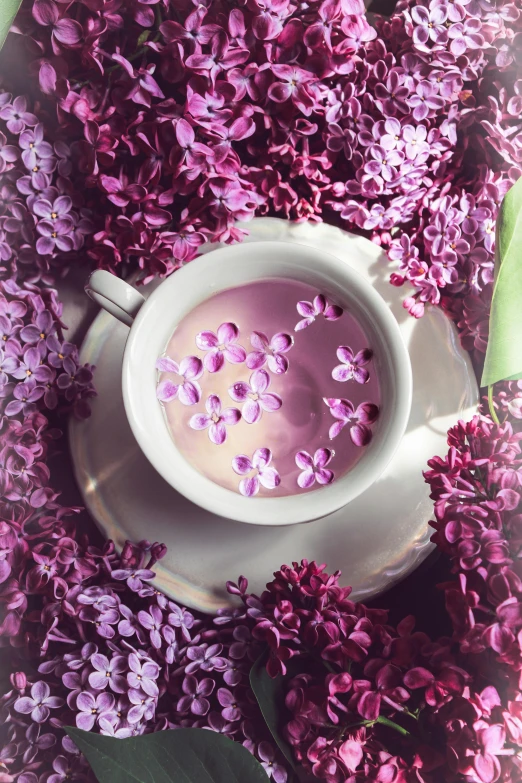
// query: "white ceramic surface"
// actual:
[[376, 540], [224, 268]]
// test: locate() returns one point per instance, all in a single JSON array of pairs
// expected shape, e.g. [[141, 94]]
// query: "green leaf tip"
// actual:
[[504, 352], [8, 11]]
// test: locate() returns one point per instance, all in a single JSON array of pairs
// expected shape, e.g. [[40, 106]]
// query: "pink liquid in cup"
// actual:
[[303, 422]]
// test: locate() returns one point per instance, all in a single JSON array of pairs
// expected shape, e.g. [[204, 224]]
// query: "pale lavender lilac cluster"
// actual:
[[223, 346]]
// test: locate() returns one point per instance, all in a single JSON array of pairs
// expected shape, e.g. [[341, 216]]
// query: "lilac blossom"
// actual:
[[255, 397], [264, 475], [16, 115], [353, 365], [216, 420], [133, 576], [206, 658], [269, 352], [314, 468], [220, 347], [142, 674], [273, 769], [430, 25], [108, 673], [39, 704], [188, 391], [312, 310], [34, 146], [358, 419], [39, 331], [54, 235], [196, 692], [91, 707], [152, 621], [181, 618]]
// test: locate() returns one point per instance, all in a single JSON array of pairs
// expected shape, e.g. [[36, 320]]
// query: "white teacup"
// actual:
[[153, 321]]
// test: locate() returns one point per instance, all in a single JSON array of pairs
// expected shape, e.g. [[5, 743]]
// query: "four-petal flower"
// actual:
[[270, 353], [221, 346], [264, 474], [357, 419], [311, 310], [255, 396], [216, 419], [352, 366], [188, 391], [314, 468]]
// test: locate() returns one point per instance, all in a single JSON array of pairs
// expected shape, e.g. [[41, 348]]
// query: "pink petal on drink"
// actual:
[[342, 373], [191, 368], [259, 381], [361, 375], [335, 429], [251, 411], [367, 412], [333, 312], [305, 309], [281, 342], [270, 478], [231, 416], [235, 354], [360, 434], [303, 460], [345, 354], [278, 364], [249, 486], [306, 479], [363, 356], [256, 359], [167, 391], [214, 361], [303, 324], [259, 341], [217, 433], [239, 391], [206, 340], [319, 304], [227, 333], [261, 458], [324, 476], [241, 464], [189, 393], [322, 457], [166, 364], [200, 421], [270, 402], [213, 404]]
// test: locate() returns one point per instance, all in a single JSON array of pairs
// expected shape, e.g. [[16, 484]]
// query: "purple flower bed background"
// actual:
[[151, 129]]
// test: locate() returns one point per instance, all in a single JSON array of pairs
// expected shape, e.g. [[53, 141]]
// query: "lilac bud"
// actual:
[[18, 681]]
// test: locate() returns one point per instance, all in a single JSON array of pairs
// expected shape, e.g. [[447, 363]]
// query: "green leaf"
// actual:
[[504, 352], [8, 11], [270, 694], [177, 756]]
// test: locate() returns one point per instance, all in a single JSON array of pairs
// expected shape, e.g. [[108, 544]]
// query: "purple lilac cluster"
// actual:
[[43, 218], [187, 119], [120, 658], [369, 702], [39, 370]]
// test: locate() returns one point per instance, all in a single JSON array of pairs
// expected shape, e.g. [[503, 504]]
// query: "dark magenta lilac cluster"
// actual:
[[408, 133], [222, 347]]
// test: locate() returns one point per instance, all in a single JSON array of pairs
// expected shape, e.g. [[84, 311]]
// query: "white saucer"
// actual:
[[375, 540]]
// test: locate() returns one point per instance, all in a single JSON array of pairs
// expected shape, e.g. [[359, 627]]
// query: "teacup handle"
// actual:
[[114, 295]]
